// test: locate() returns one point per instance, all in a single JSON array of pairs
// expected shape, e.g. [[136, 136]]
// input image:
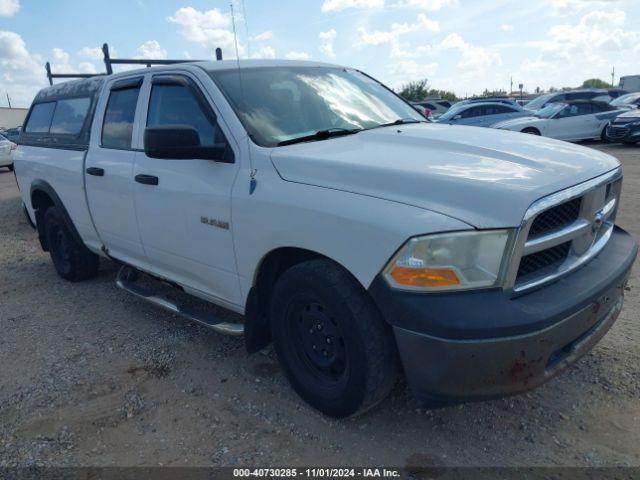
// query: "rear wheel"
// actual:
[[10, 167], [334, 346], [71, 260], [531, 131]]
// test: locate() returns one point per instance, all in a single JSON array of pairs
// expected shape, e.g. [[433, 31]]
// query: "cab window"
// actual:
[[177, 105], [40, 118], [69, 116], [117, 128]]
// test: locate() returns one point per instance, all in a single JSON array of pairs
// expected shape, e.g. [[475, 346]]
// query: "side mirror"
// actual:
[[182, 142]]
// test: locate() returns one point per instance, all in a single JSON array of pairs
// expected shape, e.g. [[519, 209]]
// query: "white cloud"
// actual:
[[210, 29], [573, 5], [265, 52], [326, 45], [391, 36], [8, 8], [339, 5], [430, 5], [151, 49], [473, 57], [92, 53], [268, 35], [408, 70], [505, 27], [297, 56]]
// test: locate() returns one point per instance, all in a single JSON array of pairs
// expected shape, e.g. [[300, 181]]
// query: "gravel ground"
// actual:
[[91, 376]]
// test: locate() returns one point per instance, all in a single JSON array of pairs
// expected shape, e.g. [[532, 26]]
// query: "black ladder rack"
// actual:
[[109, 62]]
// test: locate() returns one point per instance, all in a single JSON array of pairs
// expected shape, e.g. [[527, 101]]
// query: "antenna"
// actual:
[[252, 171], [246, 28]]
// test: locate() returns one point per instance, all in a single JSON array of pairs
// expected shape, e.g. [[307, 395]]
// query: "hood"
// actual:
[[519, 122], [628, 116], [486, 178]]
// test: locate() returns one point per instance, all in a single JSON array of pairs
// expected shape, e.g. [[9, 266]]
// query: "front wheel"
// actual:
[[72, 260], [10, 167], [333, 344], [531, 131]]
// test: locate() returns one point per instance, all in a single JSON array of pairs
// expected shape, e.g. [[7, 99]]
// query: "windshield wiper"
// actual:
[[400, 121], [321, 135]]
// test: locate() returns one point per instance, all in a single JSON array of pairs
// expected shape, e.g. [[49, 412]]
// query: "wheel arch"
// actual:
[[536, 130], [271, 266], [43, 196]]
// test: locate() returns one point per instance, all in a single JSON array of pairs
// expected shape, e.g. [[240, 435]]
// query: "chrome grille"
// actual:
[[535, 262], [563, 231], [556, 217]]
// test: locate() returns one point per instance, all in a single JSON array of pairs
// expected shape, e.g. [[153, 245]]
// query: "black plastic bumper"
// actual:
[[623, 133], [482, 344]]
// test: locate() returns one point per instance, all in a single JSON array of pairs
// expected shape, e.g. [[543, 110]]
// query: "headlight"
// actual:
[[450, 261]]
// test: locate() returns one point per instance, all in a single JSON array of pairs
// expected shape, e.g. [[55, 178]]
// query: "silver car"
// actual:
[[482, 114], [6, 150]]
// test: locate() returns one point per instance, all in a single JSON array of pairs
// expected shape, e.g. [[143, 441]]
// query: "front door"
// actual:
[[109, 171], [184, 206]]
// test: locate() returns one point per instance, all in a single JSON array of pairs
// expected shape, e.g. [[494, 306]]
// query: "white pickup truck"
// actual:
[[358, 238]]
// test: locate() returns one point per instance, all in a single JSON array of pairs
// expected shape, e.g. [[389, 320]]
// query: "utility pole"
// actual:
[[511, 87], [8, 99], [613, 77]]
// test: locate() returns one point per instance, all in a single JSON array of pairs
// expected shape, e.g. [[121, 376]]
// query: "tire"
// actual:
[[603, 135], [10, 167], [334, 346], [531, 131], [72, 261]]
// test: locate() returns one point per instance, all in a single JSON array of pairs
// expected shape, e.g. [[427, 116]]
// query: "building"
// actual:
[[12, 117], [630, 83]]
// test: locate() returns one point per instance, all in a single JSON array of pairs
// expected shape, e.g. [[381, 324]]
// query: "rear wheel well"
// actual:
[[274, 264], [40, 202]]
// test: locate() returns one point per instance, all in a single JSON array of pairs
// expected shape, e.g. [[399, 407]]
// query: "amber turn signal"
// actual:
[[425, 277]]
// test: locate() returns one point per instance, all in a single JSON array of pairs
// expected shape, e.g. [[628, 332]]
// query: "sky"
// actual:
[[460, 45]]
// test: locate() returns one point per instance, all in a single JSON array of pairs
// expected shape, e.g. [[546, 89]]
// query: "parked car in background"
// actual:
[[504, 100], [571, 121], [481, 114], [425, 112], [625, 128], [591, 94], [629, 101], [6, 152], [12, 134], [435, 107], [616, 92]]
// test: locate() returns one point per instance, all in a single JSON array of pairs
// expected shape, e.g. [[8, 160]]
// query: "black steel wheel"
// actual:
[[334, 346], [71, 259]]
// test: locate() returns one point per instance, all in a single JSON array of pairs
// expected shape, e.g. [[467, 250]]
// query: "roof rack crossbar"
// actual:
[[109, 62]]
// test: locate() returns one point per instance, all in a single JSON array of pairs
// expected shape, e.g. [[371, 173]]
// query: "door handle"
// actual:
[[96, 172], [146, 179]]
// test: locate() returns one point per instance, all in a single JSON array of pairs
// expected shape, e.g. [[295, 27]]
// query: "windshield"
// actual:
[[550, 110], [627, 99], [279, 104], [538, 103]]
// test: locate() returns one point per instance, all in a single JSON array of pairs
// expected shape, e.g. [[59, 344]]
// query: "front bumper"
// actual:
[[623, 133], [469, 346]]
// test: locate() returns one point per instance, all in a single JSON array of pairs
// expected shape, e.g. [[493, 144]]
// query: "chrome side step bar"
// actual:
[[210, 321]]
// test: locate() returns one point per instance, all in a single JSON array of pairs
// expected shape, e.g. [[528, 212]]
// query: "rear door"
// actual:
[[184, 212], [109, 171]]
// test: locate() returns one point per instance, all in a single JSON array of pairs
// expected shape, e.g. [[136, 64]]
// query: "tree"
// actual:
[[595, 83], [415, 91], [419, 90]]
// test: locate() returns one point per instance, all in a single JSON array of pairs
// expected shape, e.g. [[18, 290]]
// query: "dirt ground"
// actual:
[[91, 376]]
